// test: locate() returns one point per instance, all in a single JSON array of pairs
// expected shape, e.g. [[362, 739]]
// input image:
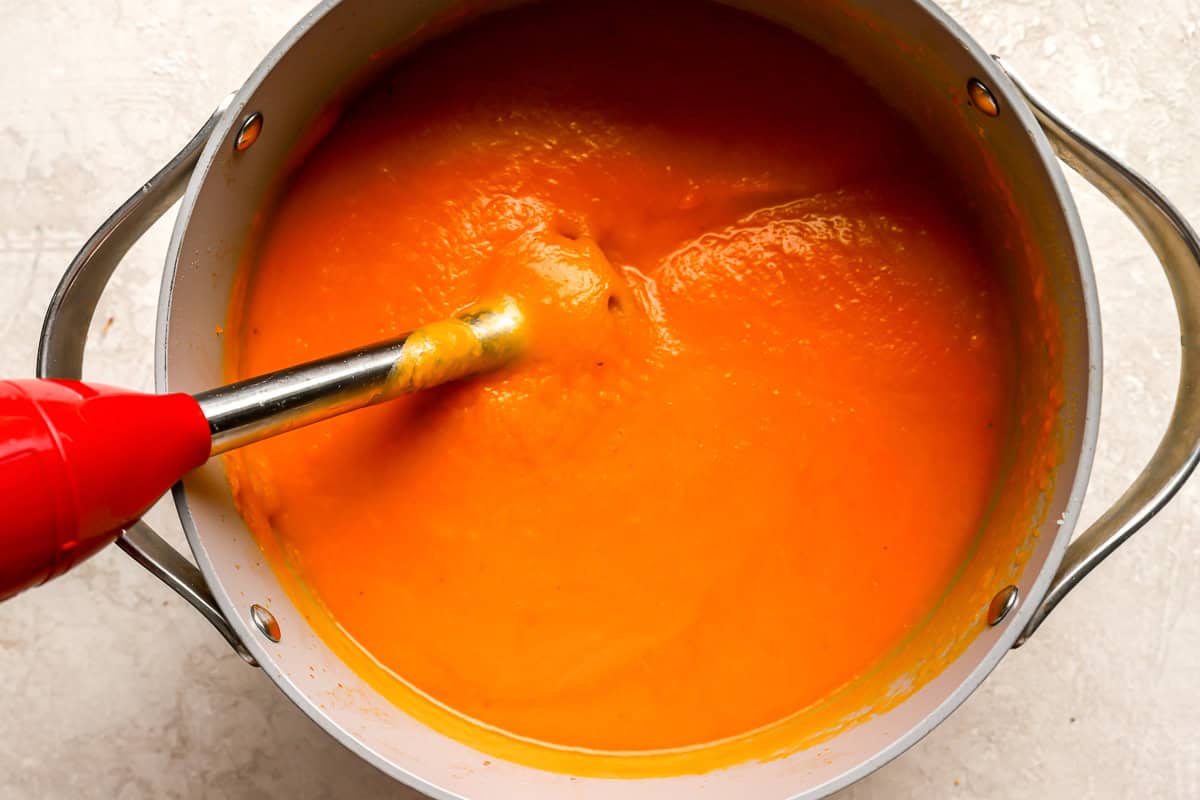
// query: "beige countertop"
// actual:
[[114, 688]]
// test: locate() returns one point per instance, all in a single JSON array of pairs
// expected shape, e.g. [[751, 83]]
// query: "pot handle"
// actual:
[[64, 335], [1178, 250]]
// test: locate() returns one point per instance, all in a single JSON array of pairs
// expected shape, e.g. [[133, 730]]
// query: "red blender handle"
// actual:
[[79, 462]]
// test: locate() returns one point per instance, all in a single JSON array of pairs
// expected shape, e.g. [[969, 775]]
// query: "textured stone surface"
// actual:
[[113, 688]]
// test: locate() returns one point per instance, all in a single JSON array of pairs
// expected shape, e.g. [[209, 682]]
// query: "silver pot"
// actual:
[[1000, 140]]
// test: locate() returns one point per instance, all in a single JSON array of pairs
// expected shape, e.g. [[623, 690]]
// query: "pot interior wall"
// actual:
[[916, 64]]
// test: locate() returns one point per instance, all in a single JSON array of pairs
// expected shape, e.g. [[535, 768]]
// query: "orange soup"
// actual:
[[760, 419]]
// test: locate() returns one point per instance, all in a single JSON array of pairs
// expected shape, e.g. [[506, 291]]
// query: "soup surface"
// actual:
[[758, 427]]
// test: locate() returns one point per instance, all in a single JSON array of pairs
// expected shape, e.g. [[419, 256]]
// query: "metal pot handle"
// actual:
[[1178, 250], [64, 335]]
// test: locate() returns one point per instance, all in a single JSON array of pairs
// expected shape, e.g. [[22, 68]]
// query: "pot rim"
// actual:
[[1010, 99]]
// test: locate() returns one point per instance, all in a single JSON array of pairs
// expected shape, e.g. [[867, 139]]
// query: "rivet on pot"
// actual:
[[1003, 603], [248, 133], [982, 98], [265, 621]]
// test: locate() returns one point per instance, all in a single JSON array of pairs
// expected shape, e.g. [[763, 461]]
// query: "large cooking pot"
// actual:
[[998, 140]]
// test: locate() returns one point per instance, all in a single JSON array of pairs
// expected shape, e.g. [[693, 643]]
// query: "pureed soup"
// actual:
[[760, 421]]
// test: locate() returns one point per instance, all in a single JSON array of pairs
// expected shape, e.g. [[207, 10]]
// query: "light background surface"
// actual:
[[111, 687]]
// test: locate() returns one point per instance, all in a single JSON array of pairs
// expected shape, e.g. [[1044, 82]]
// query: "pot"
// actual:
[[990, 130]]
